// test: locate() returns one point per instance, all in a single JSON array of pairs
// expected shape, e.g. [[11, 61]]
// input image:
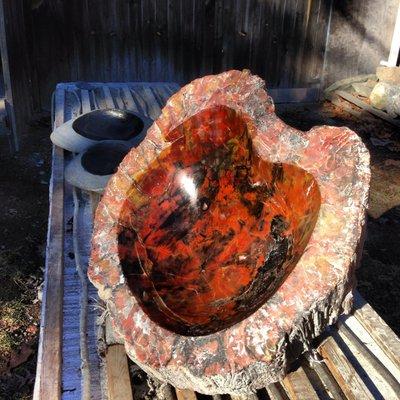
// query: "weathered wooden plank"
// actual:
[[83, 299], [185, 394], [344, 373], [276, 392], [359, 103], [108, 97], [362, 352], [85, 98], [48, 376], [71, 357], [152, 105], [116, 96], [339, 102], [130, 103], [143, 41], [118, 380], [72, 104], [299, 386], [360, 33], [16, 67], [326, 378], [378, 329]]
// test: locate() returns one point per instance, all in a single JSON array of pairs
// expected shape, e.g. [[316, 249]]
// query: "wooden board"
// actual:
[[118, 383], [48, 376], [377, 328], [141, 40], [339, 373], [185, 394], [359, 38], [359, 103], [16, 67], [299, 387], [343, 371]]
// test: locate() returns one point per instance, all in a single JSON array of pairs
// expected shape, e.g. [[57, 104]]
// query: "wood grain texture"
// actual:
[[378, 329], [360, 34], [175, 40], [276, 392], [245, 397], [384, 380], [359, 103], [343, 371], [118, 380], [16, 66], [49, 364], [185, 394], [327, 379], [299, 387]]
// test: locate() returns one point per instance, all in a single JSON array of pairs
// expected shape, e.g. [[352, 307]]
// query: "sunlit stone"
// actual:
[[227, 240]]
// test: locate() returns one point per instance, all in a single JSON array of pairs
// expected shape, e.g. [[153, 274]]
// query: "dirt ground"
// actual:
[[24, 180], [23, 222]]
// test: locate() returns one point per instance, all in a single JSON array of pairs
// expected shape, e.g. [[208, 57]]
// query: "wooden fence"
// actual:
[[178, 40], [289, 43]]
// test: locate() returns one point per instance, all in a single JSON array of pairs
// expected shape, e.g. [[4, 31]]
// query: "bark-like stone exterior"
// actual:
[[161, 284]]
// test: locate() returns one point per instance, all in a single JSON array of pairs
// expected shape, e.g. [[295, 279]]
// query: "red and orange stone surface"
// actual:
[[227, 236]]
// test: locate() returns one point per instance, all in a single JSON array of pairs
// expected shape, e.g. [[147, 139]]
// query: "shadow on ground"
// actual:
[[24, 181]]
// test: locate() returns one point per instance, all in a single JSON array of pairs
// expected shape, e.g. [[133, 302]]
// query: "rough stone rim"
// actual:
[[185, 361]]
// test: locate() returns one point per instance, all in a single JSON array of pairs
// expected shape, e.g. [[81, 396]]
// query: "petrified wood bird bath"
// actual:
[[227, 240]]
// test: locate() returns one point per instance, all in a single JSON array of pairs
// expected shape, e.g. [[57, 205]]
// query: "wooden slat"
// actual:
[[85, 97], [108, 97], [338, 102], [185, 394], [378, 366], [73, 106], [378, 329], [130, 103], [140, 102], [116, 95], [276, 392], [147, 101], [299, 386], [48, 376], [327, 380], [17, 71], [345, 374], [118, 379], [155, 104], [359, 103]]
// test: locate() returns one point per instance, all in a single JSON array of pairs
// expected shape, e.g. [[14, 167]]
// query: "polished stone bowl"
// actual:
[[91, 128], [109, 124], [210, 229]]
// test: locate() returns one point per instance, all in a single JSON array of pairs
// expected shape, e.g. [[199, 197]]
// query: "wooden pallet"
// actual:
[[358, 360]]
